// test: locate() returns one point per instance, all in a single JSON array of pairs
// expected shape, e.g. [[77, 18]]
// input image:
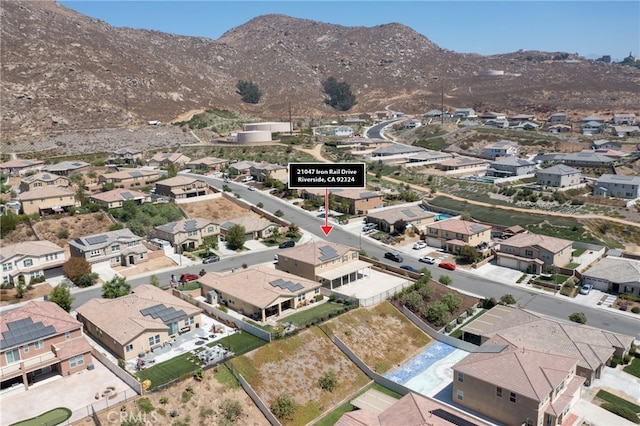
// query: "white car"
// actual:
[[419, 245], [252, 188], [427, 259]]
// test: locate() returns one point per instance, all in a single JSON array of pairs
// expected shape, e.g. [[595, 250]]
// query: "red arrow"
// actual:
[[326, 228]]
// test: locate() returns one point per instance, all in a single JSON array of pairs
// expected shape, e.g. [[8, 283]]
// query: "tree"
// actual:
[[328, 381], [8, 223], [249, 91], [284, 406], [76, 267], [412, 300], [399, 226], [340, 96], [279, 213], [87, 280], [468, 254], [444, 279], [507, 299], [172, 170], [437, 313], [116, 287], [154, 281], [578, 317], [61, 296], [453, 301], [236, 237]]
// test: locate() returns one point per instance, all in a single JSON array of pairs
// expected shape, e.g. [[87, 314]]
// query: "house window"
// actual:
[[628, 289], [192, 233], [188, 321], [27, 263], [25, 348], [115, 247], [512, 397], [76, 360], [7, 267], [460, 395], [13, 356], [67, 335], [354, 255], [151, 341], [559, 388], [499, 392], [129, 347], [94, 252], [39, 344], [210, 229], [433, 231], [460, 377], [316, 291], [345, 258], [528, 253]]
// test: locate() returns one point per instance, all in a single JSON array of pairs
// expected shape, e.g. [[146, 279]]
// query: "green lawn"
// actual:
[[50, 418], [190, 286], [578, 252], [633, 368], [301, 319], [241, 342], [332, 417], [169, 370], [609, 397]]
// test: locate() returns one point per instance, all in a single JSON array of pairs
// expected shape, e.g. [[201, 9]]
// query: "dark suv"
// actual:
[[393, 256], [287, 244]]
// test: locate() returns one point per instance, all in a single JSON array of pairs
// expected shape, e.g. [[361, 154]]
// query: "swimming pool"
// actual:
[[430, 370], [442, 217]]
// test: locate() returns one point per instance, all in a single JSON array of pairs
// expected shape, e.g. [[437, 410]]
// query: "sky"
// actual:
[[589, 28]]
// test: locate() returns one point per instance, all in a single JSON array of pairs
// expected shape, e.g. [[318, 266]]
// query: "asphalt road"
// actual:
[[553, 306]]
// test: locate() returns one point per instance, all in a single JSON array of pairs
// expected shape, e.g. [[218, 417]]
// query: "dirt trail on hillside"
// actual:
[[317, 153]]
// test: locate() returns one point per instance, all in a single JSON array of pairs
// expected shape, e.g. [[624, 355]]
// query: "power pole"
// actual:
[[442, 102], [290, 121]]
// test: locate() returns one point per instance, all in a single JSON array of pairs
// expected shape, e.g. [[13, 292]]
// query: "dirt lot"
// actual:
[[7, 296], [201, 407], [218, 209]]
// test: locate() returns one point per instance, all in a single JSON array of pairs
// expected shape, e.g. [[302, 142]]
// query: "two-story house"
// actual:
[[558, 117], [330, 264], [502, 148], [413, 215], [113, 248], [592, 128], [623, 118], [116, 197], [165, 159], [128, 178], [558, 176], [182, 187], [511, 166], [125, 156], [207, 164], [347, 200], [39, 338], [42, 180], [48, 200], [534, 253], [259, 291], [517, 385], [619, 186], [139, 322], [29, 259], [453, 234], [265, 171], [187, 234], [464, 113]]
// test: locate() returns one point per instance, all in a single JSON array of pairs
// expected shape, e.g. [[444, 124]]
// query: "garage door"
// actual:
[[507, 262], [434, 242]]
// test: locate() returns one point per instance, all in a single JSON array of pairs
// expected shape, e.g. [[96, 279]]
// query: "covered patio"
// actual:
[[345, 274]]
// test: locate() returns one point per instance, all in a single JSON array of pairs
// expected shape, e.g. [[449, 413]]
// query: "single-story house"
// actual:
[[413, 215], [20, 167], [139, 322], [606, 144], [615, 274], [558, 117], [592, 118], [65, 168], [587, 158], [260, 291], [207, 164], [255, 228], [127, 178], [347, 200], [464, 112], [622, 131], [165, 159], [116, 197], [560, 128]]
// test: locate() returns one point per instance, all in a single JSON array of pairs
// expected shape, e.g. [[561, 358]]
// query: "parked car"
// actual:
[[419, 245], [287, 244], [447, 265], [252, 188], [427, 259], [188, 277], [211, 259], [247, 179], [586, 289], [410, 269], [396, 257]]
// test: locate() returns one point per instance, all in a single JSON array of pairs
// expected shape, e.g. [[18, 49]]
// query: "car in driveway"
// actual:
[[447, 265], [586, 289], [287, 244], [410, 269], [185, 278], [396, 257], [211, 259], [427, 259], [419, 245]]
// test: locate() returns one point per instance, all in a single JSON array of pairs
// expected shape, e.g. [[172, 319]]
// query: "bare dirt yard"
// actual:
[[195, 403], [61, 229], [218, 209], [8, 295]]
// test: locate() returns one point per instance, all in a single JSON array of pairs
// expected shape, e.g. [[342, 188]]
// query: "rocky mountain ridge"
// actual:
[[66, 72]]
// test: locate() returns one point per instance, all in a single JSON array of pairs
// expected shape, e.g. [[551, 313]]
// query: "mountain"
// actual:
[[63, 71]]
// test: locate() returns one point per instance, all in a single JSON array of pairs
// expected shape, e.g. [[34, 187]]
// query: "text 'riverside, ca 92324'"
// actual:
[[327, 175]]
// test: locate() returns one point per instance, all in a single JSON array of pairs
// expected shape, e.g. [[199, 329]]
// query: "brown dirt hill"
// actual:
[[63, 71]]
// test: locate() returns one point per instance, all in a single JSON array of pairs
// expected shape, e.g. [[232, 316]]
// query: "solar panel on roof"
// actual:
[[190, 225], [477, 228], [135, 174], [166, 314], [77, 164], [98, 239], [288, 285], [126, 195], [327, 252], [408, 213], [24, 330]]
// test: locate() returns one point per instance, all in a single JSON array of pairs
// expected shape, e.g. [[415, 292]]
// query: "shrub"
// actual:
[[448, 328], [626, 359], [328, 381], [578, 317], [459, 320], [284, 406], [636, 309], [145, 405], [444, 279], [453, 301], [614, 362], [231, 409], [163, 400], [507, 299], [437, 313], [198, 375], [487, 303]]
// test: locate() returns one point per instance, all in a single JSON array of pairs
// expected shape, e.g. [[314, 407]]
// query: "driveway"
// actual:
[[76, 392]]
